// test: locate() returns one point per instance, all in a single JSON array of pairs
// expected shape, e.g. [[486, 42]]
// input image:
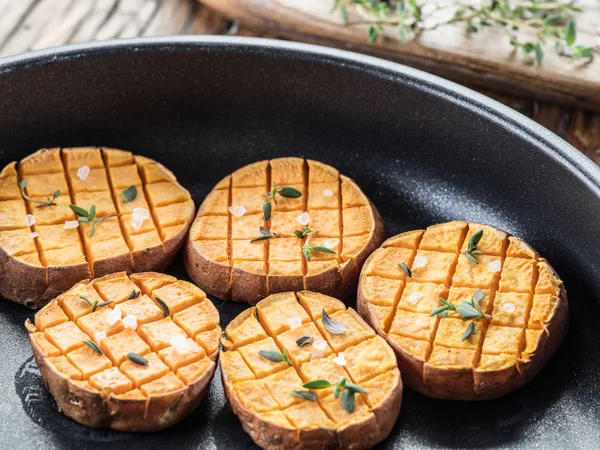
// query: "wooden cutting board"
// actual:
[[483, 60]]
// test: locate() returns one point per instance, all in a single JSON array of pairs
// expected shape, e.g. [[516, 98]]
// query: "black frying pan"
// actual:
[[423, 149]]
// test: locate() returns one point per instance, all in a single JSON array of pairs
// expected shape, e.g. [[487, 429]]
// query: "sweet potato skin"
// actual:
[[468, 385]]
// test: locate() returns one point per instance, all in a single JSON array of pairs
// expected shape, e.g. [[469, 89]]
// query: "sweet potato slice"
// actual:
[[259, 388], [44, 250], [223, 261], [83, 351], [524, 300]]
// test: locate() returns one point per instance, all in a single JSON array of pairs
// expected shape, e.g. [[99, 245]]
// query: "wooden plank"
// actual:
[[448, 51]]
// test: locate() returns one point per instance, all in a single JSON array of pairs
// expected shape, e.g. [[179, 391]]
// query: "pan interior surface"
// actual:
[[424, 151]]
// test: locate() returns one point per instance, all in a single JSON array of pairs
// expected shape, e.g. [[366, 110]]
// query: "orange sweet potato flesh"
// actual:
[[109, 390], [258, 389], [523, 294], [220, 258], [35, 269]]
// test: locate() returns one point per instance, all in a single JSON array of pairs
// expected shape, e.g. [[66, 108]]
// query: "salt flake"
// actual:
[[130, 321], [340, 360], [327, 193], [508, 307], [320, 344], [71, 224], [33, 235], [83, 172], [237, 211], [495, 266], [99, 335], [114, 316], [180, 344], [415, 297], [420, 261], [294, 322], [331, 243], [303, 219], [138, 216], [29, 220]]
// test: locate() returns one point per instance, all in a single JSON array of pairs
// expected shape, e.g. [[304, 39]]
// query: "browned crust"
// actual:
[[472, 384], [43, 284], [239, 285]]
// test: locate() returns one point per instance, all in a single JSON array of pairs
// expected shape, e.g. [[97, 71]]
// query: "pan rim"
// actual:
[[551, 144]]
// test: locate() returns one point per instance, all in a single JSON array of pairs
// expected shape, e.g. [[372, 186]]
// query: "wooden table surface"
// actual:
[[35, 24]]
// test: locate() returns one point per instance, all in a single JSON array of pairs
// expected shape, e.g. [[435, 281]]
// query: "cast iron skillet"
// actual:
[[423, 149]]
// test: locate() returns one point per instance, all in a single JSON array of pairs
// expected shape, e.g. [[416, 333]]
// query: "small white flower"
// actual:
[[320, 344], [29, 220], [327, 193], [99, 335], [237, 211], [71, 224], [508, 307], [294, 322], [303, 219], [114, 316], [495, 266], [415, 297], [331, 243], [420, 261], [180, 344], [130, 321], [33, 235], [83, 172], [340, 360]]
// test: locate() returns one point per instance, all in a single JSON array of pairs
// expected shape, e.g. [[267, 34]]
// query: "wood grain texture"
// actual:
[[34, 24], [486, 60]]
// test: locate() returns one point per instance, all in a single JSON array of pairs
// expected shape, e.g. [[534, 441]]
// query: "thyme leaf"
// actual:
[[307, 250], [343, 387], [163, 306], [306, 395], [331, 325], [405, 269], [275, 356], [304, 340], [468, 310], [42, 203], [472, 247], [347, 399], [305, 232], [138, 359], [129, 194], [90, 216], [264, 234], [134, 294], [284, 191], [317, 384], [93, 346]]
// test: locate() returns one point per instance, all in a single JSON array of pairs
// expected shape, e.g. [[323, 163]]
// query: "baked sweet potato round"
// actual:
[[300, 378], [502, 314], [315, 229], [46, 246], [139, 363]]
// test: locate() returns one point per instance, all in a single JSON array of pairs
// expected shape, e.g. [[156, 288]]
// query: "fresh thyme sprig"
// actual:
[[468, 310], [275, 356], [305, 232], [472, 247], [42, 203], [343, 387], [284, 191], [95, 305], [529, 24], [264, 234], [307, 250], [90, 216]]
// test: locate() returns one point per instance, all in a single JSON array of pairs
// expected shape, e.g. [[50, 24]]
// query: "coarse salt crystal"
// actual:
[[237, 211], [508, 307], [320, 344], [415, 297], [340, 360], [316, 355], [33, 235], [114, 316], [140, 213], [294, 322], [83, 172], [495, 266], [180, 344], [303, 219], [327, 193], [71, 224], [130, 321], [29, 220], [420, 261], [99, 335], [331, 243]]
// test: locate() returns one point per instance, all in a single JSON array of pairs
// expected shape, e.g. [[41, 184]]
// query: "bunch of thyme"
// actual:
[[529, 24]]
